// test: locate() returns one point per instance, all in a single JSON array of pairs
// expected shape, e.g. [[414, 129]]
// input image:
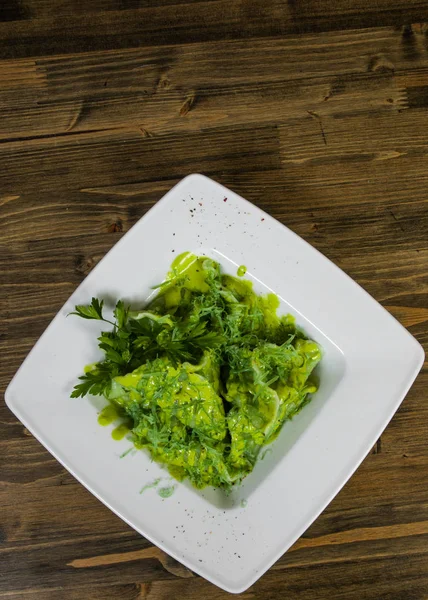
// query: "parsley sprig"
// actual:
[[135, 339]]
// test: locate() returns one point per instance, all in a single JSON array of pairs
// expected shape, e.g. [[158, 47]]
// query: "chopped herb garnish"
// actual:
[[207, 374]]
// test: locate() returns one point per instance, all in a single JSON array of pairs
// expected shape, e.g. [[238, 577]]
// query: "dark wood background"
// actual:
[[316, 110]]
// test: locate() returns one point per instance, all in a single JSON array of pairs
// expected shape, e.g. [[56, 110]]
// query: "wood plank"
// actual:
[[42, 8], [12, 10], [63, 28], [114, 157], [144, 89], [382, 167], [56, 568], [131, 591]]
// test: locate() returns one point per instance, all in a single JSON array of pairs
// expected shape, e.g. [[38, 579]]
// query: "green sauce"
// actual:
[[241, 271], [120, 431], [192, 268], [149, 486], [109, 414], [166, 492]]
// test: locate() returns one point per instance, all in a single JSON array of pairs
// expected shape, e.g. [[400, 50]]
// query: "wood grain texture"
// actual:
[[316, 112], [41, 27]]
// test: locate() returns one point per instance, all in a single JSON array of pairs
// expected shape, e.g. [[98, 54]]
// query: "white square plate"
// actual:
[[369, 363]]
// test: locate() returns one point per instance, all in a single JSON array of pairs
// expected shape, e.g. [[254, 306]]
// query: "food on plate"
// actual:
[[205, 375]]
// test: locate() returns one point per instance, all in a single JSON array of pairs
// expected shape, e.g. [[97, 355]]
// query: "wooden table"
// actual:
[[314, 110]]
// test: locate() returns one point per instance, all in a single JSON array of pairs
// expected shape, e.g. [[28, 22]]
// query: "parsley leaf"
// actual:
[[121, 313], [93, 311], [94, 382]]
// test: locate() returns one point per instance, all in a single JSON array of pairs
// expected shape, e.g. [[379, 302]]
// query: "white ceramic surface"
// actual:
[[369, 363]]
